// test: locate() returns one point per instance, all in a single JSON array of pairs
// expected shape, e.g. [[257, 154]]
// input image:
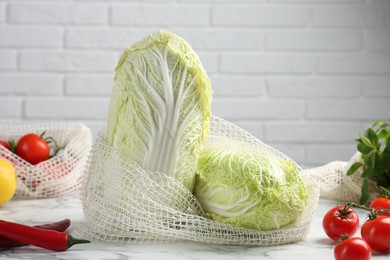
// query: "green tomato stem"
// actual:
[[373, 212], [344, 211]]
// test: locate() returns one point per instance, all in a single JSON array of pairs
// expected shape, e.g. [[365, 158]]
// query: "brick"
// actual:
[[259, 16], [377, 87], [8, 59], [57, 13], [314, 87], [354, 63], [221, 39], [386, 18], [11, 107], [312, 132], [30, 84], [237, 86], [209, 61], [257, 109], [16, 36], [159, 14], [350, 16], [90, 85], [348, 109], [266, 63], [321, 154], [68, 60], [314, 40], [112, 38], [66, 108], [2, 12], [377, 40]]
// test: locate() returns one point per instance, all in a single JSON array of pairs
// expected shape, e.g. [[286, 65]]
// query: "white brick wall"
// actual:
[[57, 13], [305, 76], [28, 36]]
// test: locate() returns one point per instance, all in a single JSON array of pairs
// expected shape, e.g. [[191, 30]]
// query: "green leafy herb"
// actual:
[[374, 145]]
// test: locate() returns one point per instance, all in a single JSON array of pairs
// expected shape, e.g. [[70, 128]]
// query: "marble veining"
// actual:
[[315, 246]]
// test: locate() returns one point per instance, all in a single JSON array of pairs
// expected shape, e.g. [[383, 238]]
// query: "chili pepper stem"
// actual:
[[73, 241]]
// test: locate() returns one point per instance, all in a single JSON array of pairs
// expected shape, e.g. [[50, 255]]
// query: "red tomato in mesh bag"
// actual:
[[5, 144], [33, 149]]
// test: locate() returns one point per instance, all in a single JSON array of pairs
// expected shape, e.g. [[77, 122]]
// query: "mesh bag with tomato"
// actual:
[[48, 158]]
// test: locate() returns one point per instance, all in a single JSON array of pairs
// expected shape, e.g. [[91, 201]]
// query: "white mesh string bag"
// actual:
[[335, 184], [124, 203], [58, 176]]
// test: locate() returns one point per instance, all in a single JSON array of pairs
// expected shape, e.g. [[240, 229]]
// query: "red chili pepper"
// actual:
[[49, 239], [62, 225]]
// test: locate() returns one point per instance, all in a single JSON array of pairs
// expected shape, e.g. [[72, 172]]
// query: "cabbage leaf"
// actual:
[[160, 106]]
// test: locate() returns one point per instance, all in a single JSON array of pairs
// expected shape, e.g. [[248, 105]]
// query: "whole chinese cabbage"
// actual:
[[160, 106], [248, 189]]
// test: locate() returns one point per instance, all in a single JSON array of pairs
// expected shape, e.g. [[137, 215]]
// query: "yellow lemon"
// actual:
[[7, 181]]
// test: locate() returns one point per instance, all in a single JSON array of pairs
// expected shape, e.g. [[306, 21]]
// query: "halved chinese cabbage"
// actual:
[[249, 189], [160, 106]]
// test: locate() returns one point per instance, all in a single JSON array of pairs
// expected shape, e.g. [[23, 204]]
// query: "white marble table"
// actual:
[[315, 246]]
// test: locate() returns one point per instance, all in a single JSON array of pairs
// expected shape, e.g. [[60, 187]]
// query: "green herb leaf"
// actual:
[[387, 140], [367, 172], [378, 123], [365, 193], [364, 149], [370, 160], [372, 136], [354, 167], [366, 141]]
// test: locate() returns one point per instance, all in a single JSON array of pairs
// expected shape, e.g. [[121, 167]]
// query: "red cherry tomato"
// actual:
[[353, 248], [33, 149], [340, 220], [5, 144], [377, 233], [380, 203]]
